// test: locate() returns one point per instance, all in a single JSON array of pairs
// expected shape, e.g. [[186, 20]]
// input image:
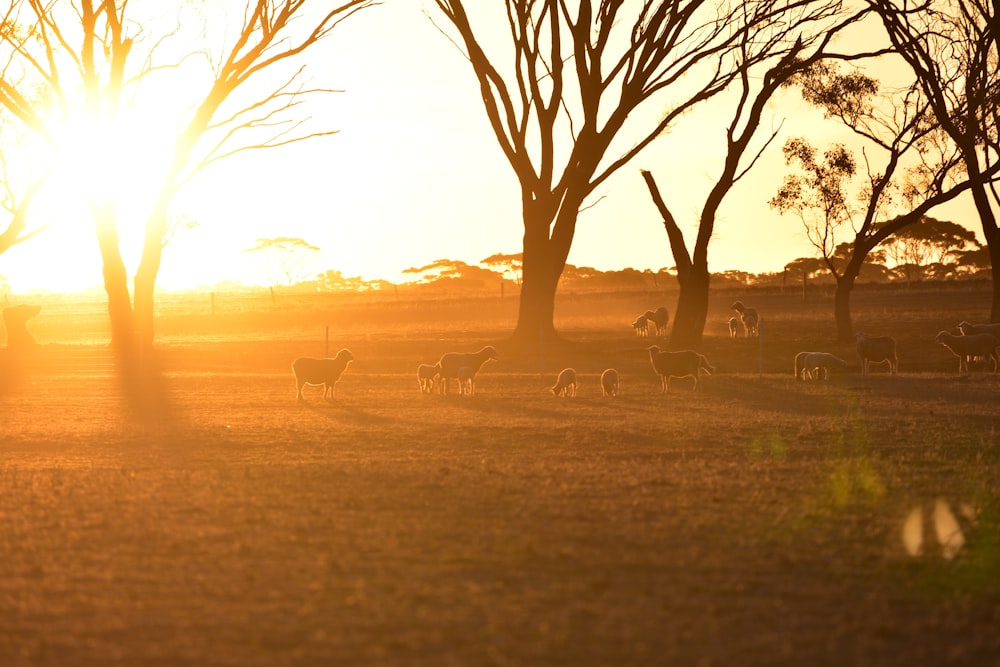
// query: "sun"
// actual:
[[100, 168]]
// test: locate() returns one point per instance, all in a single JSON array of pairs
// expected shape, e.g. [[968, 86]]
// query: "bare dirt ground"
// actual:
[[757, 522]]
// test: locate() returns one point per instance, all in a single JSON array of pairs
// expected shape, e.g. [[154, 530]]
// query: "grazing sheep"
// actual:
[[565, 384], [967, 329], [609, 383], [641, 326], [816, 365], [660, 318], [749, 317], [450, 362], [982, 345], [734, 327], [466, 380], [877, 350], [324, 371], [686, 363], [426, 374]]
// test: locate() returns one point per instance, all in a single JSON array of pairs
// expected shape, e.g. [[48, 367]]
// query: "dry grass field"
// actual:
[[757, 522]]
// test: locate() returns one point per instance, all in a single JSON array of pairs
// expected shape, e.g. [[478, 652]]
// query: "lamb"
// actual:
[[641, 326], [973, 345], [816, 365], [877, 350], [450, 362], [324, 371], [609, 383], [466, 380], [660, 318], [749, 317], [426, 374], [734, 327], [686, 363], [565, 384], [967, 329]]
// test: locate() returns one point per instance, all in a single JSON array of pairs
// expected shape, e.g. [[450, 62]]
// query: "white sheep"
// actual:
[[659, 318], [735, 325], [609, 383], [324, 371], [641, 326], [816, 365], [451, 362], [466, 380], [982, 345], [877, 350], [565, 384], [992, 328], [426, 374], [686, 363]]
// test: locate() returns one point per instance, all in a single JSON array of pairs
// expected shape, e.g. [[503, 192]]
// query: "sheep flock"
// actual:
[[977, 346]]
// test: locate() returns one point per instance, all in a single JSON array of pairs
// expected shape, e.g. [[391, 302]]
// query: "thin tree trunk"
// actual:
[[115, 278]]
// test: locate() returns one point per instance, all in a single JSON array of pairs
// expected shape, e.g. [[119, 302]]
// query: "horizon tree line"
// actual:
[[573, 93]]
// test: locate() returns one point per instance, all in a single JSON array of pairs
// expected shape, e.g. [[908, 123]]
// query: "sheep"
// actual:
[[816, 365], [641, 326], [609, 383], [324, 371], [660, 318], [450, 362], [973, 345], [686, 363], [749, 317], [466, 380], [426, 374], [967, 329], [734, 327], [565, 384], [877, 350]]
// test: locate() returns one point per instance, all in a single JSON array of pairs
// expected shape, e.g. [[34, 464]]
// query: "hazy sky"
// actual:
[[415, 175]]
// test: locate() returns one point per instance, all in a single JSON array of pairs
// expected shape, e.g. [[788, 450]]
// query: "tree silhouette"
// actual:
[[953, 49], [918, 169], [928, 243], [566, 90], [91, 61], [284, 260]]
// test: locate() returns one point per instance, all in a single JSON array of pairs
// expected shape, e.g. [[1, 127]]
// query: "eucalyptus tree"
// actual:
[[908, 167], [77, 73], [953, 49], [575, 90]]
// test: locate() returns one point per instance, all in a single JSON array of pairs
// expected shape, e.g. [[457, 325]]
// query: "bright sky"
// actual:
[[415, 175]]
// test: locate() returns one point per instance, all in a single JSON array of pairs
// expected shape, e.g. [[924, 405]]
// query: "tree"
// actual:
[[284, 260], [918, 170], [566, 91], [92, 62], [509, 266], [952, 48], [765, 61], [927, 243]]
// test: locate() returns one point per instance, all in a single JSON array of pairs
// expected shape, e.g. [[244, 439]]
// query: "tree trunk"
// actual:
[[692, 308], [115, 278], [540, 277], [993, 246], [145, 275], [842, 306]]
